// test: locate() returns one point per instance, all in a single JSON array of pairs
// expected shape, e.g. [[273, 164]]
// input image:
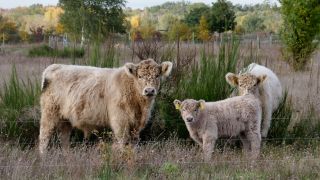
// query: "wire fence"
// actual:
[[145, 142], [38, 121], [157, 164]]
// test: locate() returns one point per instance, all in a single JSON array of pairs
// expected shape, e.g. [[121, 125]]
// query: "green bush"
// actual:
[[203, 81], [46, 51], [300, 27]]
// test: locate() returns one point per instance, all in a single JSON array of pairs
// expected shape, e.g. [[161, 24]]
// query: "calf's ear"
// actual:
[[177, 104], [131, 69], [261, 79], [202, 104], [166, 68], [232, 79]]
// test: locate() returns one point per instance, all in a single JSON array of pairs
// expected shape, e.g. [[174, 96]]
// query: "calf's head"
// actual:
[[245, 83], [147, 75], [190, 109]]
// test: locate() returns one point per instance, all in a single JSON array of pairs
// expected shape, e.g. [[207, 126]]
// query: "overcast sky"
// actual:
[[130, 3]]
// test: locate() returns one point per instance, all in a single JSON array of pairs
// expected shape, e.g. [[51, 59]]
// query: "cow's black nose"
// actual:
[[149, 91], [189, 119]]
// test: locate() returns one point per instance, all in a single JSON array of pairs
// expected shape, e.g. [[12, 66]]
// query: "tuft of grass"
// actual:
[[281, 119], [46, 51], [107, 57], [307, 130], [18, 108]]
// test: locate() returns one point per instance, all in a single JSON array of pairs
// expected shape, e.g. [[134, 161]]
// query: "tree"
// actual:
[[204, 33], [179, 30], [92, 18], [8, 30], [166, 21], [51, 16], [193, 17], [135, 22], [300, 27], [253, 23], [222, 16]]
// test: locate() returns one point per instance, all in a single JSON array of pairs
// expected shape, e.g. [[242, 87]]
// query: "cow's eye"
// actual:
[[140, 77]]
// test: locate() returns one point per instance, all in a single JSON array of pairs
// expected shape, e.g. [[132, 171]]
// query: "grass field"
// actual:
[[171, 158]]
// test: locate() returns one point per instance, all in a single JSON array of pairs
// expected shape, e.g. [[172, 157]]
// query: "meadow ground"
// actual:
[[171, 159]]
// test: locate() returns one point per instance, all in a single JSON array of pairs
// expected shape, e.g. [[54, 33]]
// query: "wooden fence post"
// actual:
[[2, 39], [258, 42]]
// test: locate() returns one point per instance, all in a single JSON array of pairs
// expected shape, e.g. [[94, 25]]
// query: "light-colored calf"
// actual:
[[236, 116], [270, 92]]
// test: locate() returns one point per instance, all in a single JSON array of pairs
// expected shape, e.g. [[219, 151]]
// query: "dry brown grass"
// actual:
[[18, 163], [170, 159]]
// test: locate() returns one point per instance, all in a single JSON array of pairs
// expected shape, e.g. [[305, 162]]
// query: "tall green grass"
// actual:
[[102, 56], [19, 99], [281, 119], [307, 130]]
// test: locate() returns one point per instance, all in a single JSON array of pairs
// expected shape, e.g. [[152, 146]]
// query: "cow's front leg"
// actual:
[[121, 135], [135, 137]]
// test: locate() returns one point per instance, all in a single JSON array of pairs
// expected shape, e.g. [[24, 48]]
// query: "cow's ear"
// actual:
[[232, 79], [131, 69], [202, 104], [177, 104], [261, 79], [166, 68]]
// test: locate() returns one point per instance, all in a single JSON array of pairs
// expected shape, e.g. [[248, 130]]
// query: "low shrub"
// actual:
[[46, 51]]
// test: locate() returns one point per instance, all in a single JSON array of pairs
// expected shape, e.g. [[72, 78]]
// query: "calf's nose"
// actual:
[[149, 91], [189, 119]]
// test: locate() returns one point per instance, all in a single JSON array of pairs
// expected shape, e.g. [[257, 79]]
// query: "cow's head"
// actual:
[[245, 83], [189, 109], [147, 74]]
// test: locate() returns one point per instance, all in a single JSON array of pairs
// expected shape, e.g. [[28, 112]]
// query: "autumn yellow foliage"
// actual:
[[135, 22], [204, 33]]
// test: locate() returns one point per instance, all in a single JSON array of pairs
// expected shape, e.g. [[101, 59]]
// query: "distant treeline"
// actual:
[[169, 20]]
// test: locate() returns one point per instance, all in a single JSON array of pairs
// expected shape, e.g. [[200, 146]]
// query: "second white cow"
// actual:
[[270, 92]]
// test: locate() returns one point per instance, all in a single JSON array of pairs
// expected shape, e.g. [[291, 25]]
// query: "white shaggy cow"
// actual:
[[89, 97], [270, 92], [236, 116]]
